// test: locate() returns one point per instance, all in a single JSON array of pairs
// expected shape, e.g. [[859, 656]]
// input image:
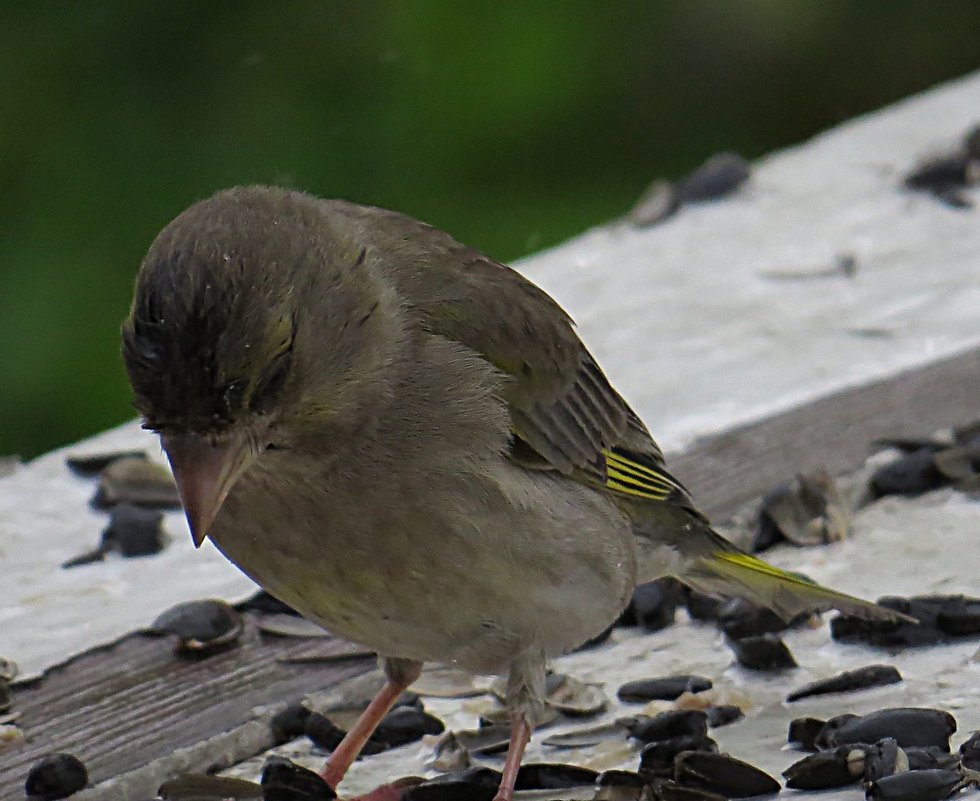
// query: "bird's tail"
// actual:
[[722, 569]]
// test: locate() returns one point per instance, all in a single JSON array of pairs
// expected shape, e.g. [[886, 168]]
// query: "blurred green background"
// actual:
[[512, 125]]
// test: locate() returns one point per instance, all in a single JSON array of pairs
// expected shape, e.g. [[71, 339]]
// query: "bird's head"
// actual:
[[255, 326]]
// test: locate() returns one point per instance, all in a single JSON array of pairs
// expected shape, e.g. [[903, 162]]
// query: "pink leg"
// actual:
[[400, 675], [520, 735]]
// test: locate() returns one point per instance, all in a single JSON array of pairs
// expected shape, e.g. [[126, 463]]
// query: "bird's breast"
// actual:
[[458, 568]]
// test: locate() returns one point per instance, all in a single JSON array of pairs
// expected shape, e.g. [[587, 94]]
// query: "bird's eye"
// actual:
[[231, 398], [271, 383]]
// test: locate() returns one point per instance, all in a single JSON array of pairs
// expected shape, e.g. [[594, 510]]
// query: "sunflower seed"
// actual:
[[56, 776], [200, 625]]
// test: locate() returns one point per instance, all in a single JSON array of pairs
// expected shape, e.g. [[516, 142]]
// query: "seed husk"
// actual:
[[653, 605], [449, 755], [827, 769], [849, 681], [573, 697], [201, 626], [445, 682], [501, 716], [663, 688], [739, 619], [910, 726], [289, 723], [91, 464], [475, 784], [658, 759], [553, 776], [915, 785], [326, 734], [657, 203], [926, 757], [970, 752], [56, 776], [909, 474], [723, 715], [283, 780], [621, 785], [721, 773], [766, 652], [884, 758], [719, 176], [808, 510], [136, 481], [672, 791], [201, 787], [587, 736], [667, 725], [804, 732], [406, 724], [485, 740]]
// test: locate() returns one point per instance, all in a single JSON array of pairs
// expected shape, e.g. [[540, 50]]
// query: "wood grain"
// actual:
[[835, 432], [120, 707]]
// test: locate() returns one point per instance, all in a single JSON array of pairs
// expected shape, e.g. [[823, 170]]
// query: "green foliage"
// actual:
[[511, 125]]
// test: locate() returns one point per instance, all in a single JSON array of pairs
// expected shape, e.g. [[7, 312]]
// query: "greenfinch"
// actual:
[[408, 442]]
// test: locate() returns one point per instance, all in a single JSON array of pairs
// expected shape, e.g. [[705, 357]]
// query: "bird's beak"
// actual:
[[205, 469]]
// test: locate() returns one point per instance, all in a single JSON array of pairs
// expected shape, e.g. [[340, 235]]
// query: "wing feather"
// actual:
[[563, 408]]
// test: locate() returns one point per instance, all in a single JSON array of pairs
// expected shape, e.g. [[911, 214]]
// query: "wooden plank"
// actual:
[[125, 705], [133, 709], [834, 432]]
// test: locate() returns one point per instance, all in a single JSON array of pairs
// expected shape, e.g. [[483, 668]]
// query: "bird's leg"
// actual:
[[520, 735], [525, 690], [401, 673]]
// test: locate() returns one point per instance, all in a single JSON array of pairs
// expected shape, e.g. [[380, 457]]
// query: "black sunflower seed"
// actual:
[[474, 784], [915, 785], [721, 773], [283, 780], [201, 626], [667, 725], [664, 688], [766, 652], [553, 776], [849, 681], [56, 776], [406, 724], [289, 723], [910, 726], [826, 769]]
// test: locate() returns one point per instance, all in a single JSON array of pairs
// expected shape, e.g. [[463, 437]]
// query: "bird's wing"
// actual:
[[565, 415]]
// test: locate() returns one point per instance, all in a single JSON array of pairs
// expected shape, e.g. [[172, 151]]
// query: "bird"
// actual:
[[409, 443]]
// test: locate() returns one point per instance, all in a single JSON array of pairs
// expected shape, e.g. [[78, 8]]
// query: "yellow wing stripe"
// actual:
[[629, 464], [628, 469], [628, 490], [626, 476], [639, 472], [624, 483], [757, 565]]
